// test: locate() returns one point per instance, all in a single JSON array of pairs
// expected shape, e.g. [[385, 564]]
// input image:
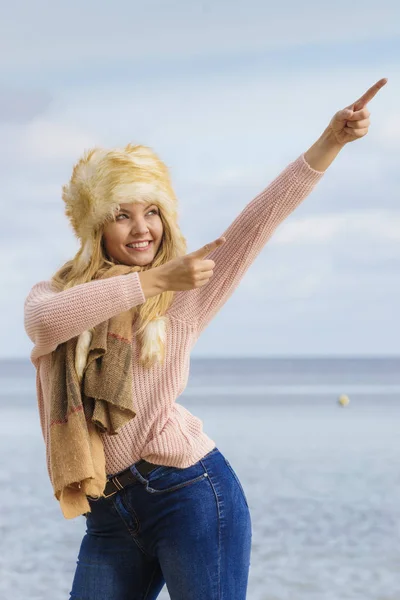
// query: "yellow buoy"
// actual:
[[343, 400]]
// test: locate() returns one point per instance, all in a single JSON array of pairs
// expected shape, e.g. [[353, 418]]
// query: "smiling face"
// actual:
[[134, 222]]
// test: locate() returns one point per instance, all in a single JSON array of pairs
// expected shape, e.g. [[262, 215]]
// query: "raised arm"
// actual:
[[245, 238], [250, 231]]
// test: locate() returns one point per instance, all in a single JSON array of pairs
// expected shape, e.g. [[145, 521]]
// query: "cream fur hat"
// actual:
[[102, 180]]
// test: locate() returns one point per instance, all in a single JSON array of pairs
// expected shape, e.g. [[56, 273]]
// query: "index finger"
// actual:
[[208, 248], [369, 94]]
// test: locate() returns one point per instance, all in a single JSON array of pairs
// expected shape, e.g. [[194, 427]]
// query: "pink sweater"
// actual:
[[163, 431]]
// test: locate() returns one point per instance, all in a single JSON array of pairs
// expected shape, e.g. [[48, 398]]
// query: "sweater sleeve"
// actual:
[[52, 317], [245, 238]]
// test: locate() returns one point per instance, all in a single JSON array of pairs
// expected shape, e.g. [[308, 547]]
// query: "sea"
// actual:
[[322, 479]]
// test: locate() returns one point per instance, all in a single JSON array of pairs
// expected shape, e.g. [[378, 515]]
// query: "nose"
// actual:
[[139, 226]]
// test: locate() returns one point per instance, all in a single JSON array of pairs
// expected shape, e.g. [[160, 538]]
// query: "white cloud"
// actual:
[[226, 127], [232, 126], [375, 226], [21, 105], [389, 131], [58, 34], [52, 141]]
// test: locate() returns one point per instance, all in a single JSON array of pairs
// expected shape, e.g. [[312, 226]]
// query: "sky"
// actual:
[[227, 93]]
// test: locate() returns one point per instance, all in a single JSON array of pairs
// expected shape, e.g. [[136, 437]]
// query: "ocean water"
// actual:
[[322, 481]]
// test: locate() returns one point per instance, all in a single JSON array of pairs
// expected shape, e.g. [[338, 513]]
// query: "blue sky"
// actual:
[[227, 93]]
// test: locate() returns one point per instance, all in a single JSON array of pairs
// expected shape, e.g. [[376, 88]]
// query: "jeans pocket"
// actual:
[[169, 479], [236, 478]]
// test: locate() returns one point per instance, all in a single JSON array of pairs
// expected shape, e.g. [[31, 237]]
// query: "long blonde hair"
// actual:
[[100, 181]]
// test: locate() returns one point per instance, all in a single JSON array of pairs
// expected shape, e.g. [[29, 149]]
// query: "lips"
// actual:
[[139, 242], [140, 248]]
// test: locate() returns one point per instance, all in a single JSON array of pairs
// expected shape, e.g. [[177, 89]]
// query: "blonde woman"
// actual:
[[112, 333]]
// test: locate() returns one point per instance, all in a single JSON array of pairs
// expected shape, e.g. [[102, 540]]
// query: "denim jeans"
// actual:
[[189, 528]]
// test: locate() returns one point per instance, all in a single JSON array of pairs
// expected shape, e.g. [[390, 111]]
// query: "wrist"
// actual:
[[329, 141], [160, 274], [324, 151], [153, 282]]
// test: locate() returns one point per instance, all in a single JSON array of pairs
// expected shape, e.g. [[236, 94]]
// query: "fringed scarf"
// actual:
[[83, 407]]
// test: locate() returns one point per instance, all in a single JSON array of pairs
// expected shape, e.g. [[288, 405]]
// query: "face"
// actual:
[[134, 222]]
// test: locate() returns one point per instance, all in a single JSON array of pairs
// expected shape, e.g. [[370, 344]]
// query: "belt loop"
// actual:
[[117, 484], [116, 481], [137, 474]]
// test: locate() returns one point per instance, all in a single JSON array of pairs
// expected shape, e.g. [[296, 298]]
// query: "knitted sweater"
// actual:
[[163, 431]]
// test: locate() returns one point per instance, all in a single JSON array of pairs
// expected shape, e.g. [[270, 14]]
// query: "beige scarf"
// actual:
[[80, 409]]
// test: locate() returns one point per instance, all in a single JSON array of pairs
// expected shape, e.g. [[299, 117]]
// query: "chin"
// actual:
[[140, 262]]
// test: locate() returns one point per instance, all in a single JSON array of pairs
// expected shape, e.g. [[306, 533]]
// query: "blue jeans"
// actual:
[[189, 528]]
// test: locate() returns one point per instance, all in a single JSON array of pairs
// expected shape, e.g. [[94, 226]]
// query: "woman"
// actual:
[[113, 331]]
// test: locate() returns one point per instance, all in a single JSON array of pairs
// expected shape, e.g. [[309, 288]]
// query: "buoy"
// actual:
[[343, 400]]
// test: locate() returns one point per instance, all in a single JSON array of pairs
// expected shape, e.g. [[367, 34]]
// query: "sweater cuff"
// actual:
[[305, 168], [133, 290]]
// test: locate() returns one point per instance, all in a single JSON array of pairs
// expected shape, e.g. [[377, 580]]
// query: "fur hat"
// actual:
[[102, 180]]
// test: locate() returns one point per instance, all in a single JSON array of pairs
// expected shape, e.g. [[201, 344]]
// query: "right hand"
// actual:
[[352, 122], [190, 271]]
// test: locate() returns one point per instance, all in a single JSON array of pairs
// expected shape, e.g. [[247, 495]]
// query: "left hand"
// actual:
[[353, 122]]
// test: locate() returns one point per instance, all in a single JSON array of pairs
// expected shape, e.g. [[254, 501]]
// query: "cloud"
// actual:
[[43, 34], [44, 150], [375, 226], [22, 105], [52, 141], [389, 132], [227, 95], [235, 123]]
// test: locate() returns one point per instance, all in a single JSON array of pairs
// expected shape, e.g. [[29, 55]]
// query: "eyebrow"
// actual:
[[128, 211]]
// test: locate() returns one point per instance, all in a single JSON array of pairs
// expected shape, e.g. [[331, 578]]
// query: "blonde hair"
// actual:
[[100, 181]]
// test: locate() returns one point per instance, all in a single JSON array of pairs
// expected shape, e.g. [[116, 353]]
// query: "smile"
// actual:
[[140, 248]]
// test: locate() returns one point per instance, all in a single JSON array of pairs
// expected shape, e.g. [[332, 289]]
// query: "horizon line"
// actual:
[[262, 357]]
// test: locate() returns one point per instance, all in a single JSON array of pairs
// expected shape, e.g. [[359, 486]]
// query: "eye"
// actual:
[[154, 210]]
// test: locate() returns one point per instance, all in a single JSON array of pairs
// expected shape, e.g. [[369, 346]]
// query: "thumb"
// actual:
[[208, 248]]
